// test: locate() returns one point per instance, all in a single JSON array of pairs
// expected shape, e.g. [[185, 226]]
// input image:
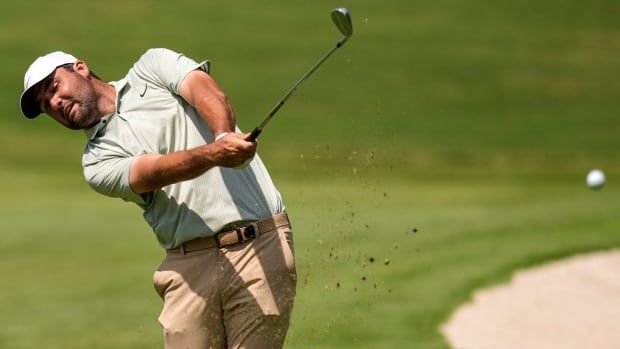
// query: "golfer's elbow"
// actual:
[[144, 174]]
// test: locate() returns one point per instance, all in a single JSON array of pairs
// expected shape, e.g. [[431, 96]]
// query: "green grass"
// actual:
[[472, 123], [469, 234], [78, 269]]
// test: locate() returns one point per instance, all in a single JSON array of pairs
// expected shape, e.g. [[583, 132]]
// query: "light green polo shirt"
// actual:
[[151, 118]]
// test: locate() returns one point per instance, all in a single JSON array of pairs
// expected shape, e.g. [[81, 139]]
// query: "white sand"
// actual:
[[573, 303]]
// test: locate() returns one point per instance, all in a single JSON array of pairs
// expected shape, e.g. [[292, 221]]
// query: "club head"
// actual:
[[342, 19]]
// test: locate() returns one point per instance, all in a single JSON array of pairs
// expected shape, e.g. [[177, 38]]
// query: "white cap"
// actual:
[[39, 70]]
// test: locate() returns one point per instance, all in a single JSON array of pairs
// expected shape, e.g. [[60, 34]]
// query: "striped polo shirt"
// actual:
[[152, 118]]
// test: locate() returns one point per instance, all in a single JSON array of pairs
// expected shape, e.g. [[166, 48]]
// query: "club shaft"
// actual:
[[290, 92]]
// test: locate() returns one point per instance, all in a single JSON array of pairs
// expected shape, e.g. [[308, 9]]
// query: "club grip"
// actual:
[[252, 137]]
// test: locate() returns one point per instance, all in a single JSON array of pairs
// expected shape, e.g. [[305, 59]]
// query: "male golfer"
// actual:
[[165, 138]]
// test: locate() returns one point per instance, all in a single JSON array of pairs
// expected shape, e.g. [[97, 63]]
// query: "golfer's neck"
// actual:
[[107, 102]]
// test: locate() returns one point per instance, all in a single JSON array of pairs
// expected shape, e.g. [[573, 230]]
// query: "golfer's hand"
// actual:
[[233, 150]]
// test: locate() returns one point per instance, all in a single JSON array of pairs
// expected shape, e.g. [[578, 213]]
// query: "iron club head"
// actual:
[[342, 19]]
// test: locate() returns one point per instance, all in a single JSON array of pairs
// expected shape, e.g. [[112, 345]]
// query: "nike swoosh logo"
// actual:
[[144, 91]]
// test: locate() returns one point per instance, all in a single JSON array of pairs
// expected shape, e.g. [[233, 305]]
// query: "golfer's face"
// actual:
[[70, 99]]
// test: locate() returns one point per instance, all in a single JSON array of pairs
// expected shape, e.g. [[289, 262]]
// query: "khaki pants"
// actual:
[[233, 297]]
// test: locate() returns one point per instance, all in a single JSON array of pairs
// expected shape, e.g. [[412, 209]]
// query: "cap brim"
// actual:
[[29, 107]]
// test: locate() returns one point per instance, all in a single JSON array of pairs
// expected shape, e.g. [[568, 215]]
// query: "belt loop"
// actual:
[[240, 237], [256, 230], [182, 249]]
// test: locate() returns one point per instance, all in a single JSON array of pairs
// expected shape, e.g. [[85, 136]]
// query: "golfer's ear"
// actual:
[[81, 68]]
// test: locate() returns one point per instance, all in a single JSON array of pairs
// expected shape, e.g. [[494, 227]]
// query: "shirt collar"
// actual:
[[93, 130]]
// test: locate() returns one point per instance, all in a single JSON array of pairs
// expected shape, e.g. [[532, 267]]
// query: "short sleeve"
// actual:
[[166, 68], [108, 174]]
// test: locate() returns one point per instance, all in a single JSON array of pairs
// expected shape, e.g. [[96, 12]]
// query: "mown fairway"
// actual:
[[444, 147]]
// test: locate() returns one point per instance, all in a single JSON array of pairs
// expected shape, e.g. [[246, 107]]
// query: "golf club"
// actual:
[[342, 18]]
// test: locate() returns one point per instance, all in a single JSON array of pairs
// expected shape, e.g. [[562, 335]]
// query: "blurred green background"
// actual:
[[444, 147]]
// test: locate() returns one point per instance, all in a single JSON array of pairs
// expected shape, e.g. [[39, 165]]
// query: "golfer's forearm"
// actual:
[[153, 171]]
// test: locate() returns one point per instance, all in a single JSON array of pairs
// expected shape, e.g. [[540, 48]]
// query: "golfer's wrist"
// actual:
[[220, 135]]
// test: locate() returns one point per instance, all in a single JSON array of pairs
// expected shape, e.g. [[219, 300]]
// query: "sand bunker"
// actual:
[[573, 303]]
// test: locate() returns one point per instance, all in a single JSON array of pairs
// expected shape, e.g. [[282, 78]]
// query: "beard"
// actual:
[[87, 113]]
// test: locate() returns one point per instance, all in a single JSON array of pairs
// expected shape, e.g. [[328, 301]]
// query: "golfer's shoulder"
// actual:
[[156, 64], [157, 56], [159, 53]]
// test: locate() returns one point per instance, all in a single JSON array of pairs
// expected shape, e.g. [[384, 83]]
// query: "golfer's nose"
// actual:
[[56, 102]]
